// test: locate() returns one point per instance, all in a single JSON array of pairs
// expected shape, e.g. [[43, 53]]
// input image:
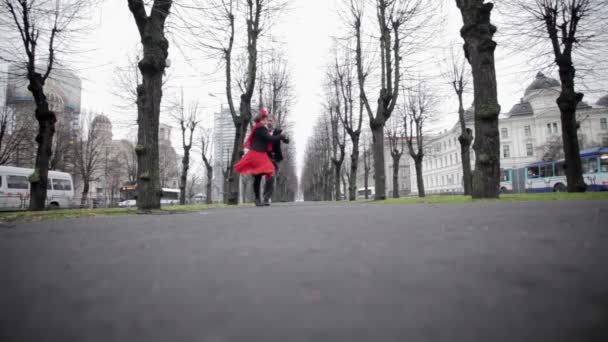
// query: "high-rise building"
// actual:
[[223, 139], [63, 92]]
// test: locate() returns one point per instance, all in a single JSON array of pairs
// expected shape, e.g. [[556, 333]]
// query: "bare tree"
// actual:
[[477, 32], [367, 166], [39, 29], [456, 75], [397, 19], [417, 110], [88, 153], [129, 160], [149, 94], [352, 123], [126, 79], [12, 135], [396, 141], [338, 133], [317, 182], [207, 160], [188, 121], [573, 29]]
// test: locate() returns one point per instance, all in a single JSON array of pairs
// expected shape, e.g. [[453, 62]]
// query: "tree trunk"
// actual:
[[233, 181], [149, 94], [379, 169], [465, 156], [46, 129], [567, 102], [465, 139], [337, 171], [209, 188], [184, 176], [396, 160], [354, 165], [366, 183], [85, 194], [419, 177], [479, 49]]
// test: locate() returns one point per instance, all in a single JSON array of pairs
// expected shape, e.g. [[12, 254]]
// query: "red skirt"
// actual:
[[255, 163]]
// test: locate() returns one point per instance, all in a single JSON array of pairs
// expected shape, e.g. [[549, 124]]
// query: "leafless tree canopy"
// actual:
[[543, 30]]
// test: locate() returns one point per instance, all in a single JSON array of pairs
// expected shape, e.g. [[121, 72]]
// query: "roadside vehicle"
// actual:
[[506, 181], [15, 189], [128, 195], [548, 176], [370, 193]]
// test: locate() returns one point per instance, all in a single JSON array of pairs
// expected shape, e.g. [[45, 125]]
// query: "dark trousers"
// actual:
[[257, 182], [269, 186]]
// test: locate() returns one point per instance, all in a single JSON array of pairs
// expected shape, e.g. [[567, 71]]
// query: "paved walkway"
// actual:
[[511, 272]]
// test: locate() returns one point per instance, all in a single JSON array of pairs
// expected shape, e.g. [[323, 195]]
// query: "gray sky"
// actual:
[[306, 31]]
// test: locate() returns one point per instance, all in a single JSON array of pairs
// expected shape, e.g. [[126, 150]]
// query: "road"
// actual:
[[534, 271]]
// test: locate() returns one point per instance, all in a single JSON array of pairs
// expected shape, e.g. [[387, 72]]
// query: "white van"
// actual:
[[15, 189], [370, 193]]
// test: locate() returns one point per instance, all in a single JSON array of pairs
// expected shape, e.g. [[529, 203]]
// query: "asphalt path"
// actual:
[[527, 271]]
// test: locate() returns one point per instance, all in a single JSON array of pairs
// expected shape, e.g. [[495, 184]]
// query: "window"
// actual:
[[445, 160], [504, 132], [529, 150], [506, 151], [605, 141], [1, 184], [604, 163], [533, 172], [62, 185], [552, 128], [559, 169], [527, 131], [17, 182], [590, 165], [604, 123], [504, 175], [451, 159], [546, 170]]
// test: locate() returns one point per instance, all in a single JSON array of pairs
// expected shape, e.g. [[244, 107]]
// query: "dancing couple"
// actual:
[[263, 157]]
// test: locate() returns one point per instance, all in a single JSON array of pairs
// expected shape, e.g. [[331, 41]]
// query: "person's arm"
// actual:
[[265, 135]]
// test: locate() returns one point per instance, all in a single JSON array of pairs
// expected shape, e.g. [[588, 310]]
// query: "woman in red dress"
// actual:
[[256, 161]]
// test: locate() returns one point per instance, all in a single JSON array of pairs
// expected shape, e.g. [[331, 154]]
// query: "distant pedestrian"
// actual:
[[256, 161]]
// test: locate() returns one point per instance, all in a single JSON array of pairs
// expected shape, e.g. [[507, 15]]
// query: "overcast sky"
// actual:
[[306, 30]]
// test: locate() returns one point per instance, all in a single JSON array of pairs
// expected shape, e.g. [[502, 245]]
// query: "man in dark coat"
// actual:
[[276, 156]]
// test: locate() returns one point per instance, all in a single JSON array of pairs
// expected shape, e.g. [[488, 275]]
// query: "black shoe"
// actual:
[[267, 203], [258, 203]]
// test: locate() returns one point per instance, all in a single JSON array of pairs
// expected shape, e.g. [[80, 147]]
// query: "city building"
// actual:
[[223, 139], [529, 131], [63, 91], [168, 158]]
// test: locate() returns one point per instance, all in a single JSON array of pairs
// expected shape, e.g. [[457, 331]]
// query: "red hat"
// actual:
[[263, 112]]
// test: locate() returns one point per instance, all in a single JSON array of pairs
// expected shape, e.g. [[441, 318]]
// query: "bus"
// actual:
[[128, 196], [506, 181], [15, 189], [548, 176]]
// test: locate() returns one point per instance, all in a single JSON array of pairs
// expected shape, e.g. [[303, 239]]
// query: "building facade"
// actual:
[[63, 91], [223, 139], [529, 132]]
